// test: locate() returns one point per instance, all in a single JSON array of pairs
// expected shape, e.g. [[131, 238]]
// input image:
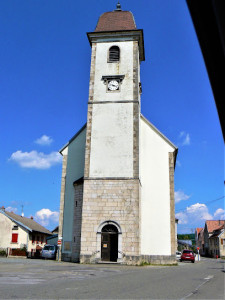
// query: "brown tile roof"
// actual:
[[199, 229], [214, 224], [116, 20], [28, 222]]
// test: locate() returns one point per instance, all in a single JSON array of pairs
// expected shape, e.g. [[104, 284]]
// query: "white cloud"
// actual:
[[180, 196], [199, 211], [186, 140], [194, 214], [45, 216], [219, 214], [182, 133], [11, 209], [178, 163], [182, 217], [36, 160], [44, 140]]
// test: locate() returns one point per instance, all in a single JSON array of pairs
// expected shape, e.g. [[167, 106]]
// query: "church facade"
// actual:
[[117, 190]]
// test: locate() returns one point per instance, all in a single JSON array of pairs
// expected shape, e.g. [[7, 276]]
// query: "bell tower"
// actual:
[[118, 169], [111, 173]]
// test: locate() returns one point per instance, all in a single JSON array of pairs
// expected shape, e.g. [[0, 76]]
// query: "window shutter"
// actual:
[[114, 54], [14, 237], [221, 241]]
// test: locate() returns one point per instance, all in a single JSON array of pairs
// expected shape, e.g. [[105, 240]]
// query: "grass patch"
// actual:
[[144, 263]]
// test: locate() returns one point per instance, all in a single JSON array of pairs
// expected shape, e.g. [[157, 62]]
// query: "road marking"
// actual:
[[17, 280], [198, 287], [209, 277]]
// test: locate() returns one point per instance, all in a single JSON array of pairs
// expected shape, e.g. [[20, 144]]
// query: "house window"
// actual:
[[14, 237], [15, 227], [33, 239], [114, 54], [38, 238], [42, 239]]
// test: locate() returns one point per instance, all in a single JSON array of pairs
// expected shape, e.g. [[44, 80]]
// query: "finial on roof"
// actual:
[[118, 6]]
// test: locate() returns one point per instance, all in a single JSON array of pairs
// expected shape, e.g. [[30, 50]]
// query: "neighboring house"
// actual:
[[55, 230], [187, 242], [184, 244], [118, 170], [217, 243], [53, 240], [199, 239], [210, 227], [18, 232]]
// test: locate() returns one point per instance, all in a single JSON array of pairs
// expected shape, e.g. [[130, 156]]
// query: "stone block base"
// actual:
[[136, 260], [159, 259], [66, 257]]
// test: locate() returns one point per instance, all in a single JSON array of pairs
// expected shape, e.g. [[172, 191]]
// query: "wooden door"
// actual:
[[105, 247]]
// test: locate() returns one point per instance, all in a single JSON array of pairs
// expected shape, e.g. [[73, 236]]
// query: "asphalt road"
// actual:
[[44, 279]]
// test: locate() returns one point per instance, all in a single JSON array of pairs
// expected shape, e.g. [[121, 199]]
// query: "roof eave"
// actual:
[[164, 137], [73, 138], [17, 222], [133, 34]]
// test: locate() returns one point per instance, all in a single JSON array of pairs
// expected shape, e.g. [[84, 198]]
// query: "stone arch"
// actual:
[[109, 222], [99, 233]]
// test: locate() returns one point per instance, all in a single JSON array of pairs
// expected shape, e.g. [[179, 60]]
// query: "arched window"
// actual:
[[114, 54]]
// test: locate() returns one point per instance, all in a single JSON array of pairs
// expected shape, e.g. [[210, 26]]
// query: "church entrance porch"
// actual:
[[109, 243]]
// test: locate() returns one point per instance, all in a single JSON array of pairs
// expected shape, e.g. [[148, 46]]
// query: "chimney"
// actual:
[[2, 208], [32, 217]]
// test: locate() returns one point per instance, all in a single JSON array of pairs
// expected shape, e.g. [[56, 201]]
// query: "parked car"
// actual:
[[188, 255], [178, 255], [49, 251]]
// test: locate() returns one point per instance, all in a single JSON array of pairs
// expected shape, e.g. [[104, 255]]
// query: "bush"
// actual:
[[2, 252]]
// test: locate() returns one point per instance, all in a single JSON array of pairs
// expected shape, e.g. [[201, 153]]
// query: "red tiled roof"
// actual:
[[199, 229], [215, 224], [116, 20]]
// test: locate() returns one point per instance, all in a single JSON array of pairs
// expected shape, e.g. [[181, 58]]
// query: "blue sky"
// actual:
[[44, 75]]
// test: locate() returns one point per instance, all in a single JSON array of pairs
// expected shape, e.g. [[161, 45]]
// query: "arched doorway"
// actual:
[[109, 243]]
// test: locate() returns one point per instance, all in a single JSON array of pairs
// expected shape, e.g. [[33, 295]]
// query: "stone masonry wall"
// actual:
[[89, 113], [78, 203], [172, 204], [62, 198], [115, 200]]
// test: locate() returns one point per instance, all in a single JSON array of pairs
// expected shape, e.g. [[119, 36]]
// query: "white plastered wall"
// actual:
[[6, 231], [75, 170], [112, 140], [123, 67], [155, 192]]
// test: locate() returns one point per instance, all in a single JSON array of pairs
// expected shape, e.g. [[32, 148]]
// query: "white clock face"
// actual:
[[113, 85]]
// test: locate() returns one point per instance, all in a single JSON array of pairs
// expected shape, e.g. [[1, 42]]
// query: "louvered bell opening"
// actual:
[[114, 54]]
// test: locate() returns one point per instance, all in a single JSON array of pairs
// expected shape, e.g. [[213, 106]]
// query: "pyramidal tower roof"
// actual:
[[116, 20]]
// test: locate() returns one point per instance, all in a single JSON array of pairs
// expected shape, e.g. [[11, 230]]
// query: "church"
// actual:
[[117, 189]]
